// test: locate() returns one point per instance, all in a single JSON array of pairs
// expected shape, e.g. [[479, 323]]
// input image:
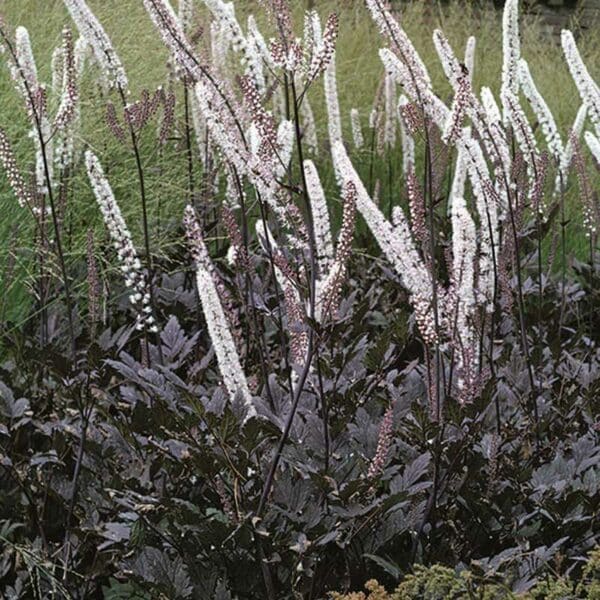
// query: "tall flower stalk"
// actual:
[[218, 326], [131, 266]]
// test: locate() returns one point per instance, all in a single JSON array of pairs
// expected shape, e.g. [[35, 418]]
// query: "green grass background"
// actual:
[[359, 73]]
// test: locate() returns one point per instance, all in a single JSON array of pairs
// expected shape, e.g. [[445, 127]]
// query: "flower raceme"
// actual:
[[135, 278], [218, 326], [104, 53]]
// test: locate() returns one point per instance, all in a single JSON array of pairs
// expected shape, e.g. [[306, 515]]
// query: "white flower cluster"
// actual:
[[541, 110], [24, 73], [15, 179], [173, 35], [68, 117], [567, 156], [464, 252], [131, 266], [394, 239], [334, 121], [401, 44], [218, 326], [98, 40], [185, 14], [470, 57], [511, 50], [357, 135], [523, 133], [228, 140], [320, 215], [391, 120], [319, 46], [224, 13], [69, 91], [588, 89], [487, 204], [593, 144], [408, 142], [28, 69]]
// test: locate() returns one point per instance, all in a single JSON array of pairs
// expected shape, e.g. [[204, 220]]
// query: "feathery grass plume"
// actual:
[[396, 242], [542, 112], [470, 57], [218, 326], [123, 243], [567, 155], [224, 13], [511, 51], [92, 31], [21, 190], [587, 87], [593, 144], [320, 215], [357, 134]]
